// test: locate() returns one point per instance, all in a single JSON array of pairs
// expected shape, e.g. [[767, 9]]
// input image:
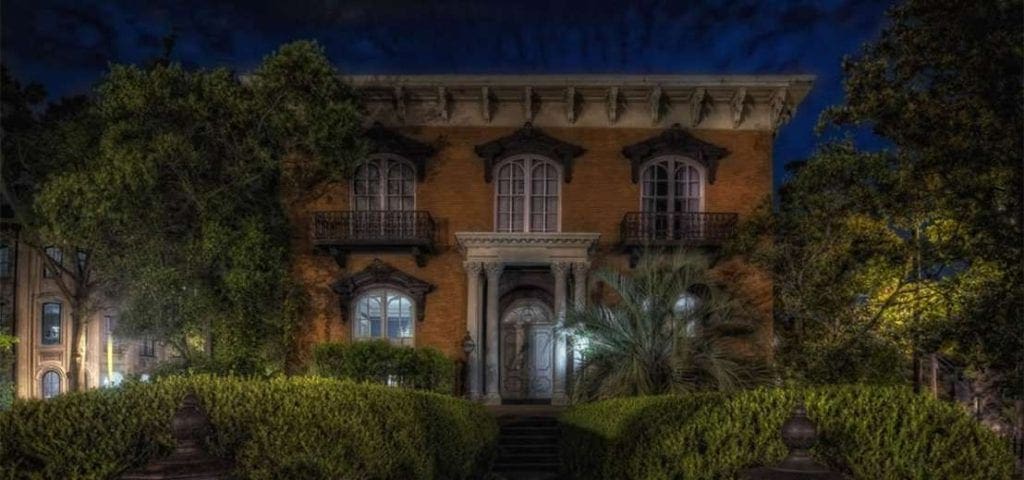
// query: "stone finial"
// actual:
[[189, 427], [799, 434]]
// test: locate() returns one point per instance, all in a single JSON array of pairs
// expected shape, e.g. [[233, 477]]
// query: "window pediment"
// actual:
[[675, 141], [379, 274], [386, 140], [528, 140]]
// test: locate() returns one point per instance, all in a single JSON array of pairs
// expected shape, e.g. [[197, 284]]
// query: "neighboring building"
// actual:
[[33, 308], [487, 200]]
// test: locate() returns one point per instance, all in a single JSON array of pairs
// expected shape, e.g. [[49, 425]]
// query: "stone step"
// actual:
[[549, 440], [528, 430]]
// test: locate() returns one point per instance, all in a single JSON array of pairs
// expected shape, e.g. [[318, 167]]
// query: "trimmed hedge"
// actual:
[[866, 432], [283, 428], [378, 361]]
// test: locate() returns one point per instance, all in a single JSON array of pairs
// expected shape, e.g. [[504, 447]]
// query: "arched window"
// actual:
[[527, 196], [50, 384], [384, 313], [384, 183], [672, 184], [51, 323]]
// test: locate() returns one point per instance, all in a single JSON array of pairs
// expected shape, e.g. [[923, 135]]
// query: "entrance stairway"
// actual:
[[527, 448]]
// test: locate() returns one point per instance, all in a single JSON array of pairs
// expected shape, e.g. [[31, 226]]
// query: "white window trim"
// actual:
[[677, 159], [382, 192], [354, 315], [527, 190]]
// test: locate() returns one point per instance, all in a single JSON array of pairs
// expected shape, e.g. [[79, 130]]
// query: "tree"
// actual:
[[920, 245], [35, 146], [651, 342], [943, 83], [186, 200]]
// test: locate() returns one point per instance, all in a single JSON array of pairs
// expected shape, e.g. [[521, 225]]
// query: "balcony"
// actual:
[[339, 232], [677, 229]]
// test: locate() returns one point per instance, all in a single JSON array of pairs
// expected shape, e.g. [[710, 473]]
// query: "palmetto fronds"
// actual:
[[670, 330]]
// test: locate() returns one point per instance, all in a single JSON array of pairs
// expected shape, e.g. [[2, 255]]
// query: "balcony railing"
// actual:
[[373, 228], [661, 229]]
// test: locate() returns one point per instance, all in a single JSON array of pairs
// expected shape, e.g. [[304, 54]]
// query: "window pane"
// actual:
[[51, 324], [51, 384], [368, 317], [399, 316], [57, 255]]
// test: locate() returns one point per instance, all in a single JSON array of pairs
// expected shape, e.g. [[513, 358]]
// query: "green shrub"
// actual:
[[867, 432], [283, 428], [378, 361]]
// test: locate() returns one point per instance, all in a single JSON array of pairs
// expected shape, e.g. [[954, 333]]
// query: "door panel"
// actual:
[[527, 352]]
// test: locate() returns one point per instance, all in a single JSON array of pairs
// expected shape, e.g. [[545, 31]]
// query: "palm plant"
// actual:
[[671, 330]]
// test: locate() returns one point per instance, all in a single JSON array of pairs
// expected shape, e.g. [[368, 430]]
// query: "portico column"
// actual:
[[473, 382], [558, 394], [579, 280], [493, 270], [579, 296]]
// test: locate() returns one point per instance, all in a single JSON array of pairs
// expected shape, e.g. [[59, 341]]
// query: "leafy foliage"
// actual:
[[283, 428], [379, 361], [646, 343], [864, 431], [915, 249], [184, 197], [943, 83]]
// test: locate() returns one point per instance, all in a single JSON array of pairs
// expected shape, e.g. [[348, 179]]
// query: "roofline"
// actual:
[[582, 80]]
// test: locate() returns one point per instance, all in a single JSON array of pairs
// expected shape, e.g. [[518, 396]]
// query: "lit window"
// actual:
[[51, 384], [527, 196], [51, 324], [384, 314], [57, 256], [5, 261]]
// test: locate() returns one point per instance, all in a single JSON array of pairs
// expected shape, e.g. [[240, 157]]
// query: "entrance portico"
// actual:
[[490, 255]]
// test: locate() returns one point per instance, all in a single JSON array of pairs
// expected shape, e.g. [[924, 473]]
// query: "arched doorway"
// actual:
[[527, 351]]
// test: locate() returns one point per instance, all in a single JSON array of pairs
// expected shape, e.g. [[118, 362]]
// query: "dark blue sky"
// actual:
[[67, 45]]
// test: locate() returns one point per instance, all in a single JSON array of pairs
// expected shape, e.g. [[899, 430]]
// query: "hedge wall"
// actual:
[[865, 432], [379, 361], [283, 428]]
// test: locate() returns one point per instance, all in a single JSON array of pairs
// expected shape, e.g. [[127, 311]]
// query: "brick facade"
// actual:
[[456, 195]]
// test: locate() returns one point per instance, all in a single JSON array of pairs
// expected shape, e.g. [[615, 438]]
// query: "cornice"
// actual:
[[739, 102]]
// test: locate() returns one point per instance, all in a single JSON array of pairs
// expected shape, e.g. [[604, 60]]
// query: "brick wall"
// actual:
[[456, 195]]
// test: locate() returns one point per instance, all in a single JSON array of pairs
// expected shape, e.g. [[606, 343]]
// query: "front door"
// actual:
[[527, 351]]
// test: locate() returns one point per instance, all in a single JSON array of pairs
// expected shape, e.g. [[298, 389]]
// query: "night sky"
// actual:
[[67, 45]]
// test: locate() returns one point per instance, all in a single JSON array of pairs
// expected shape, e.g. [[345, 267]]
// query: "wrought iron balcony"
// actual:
[[337, 232], [663, 229]]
